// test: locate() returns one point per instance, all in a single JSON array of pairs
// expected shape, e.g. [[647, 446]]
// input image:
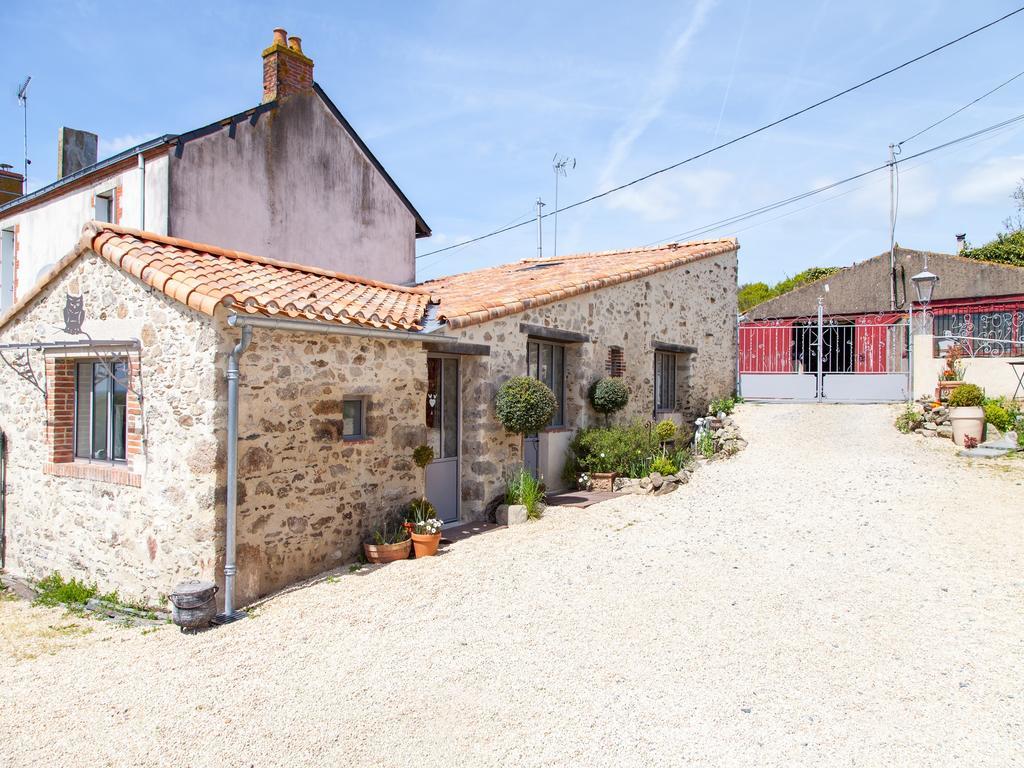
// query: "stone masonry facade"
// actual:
[[307, 497], [142, 526], [692, 305]]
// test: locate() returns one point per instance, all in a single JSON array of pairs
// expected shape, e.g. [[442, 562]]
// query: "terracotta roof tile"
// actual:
[[205, 276], [487, 294]]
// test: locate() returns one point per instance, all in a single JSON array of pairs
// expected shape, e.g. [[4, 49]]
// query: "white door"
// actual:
[[443, 436]]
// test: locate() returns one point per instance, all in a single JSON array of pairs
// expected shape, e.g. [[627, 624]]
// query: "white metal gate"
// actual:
[[862, 359]]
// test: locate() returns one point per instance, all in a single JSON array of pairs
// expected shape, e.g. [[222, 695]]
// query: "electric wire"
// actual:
[[742, 137]]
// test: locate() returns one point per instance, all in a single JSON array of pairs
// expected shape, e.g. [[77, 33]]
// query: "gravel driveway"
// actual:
[[837, 594]]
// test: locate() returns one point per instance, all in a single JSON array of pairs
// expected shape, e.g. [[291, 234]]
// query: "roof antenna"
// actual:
[[23, 100], [540, 230], [561, 166]]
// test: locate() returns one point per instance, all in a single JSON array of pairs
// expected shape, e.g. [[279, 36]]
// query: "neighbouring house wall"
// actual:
[[141, 538], [693, 305], [45, 229], [864, 287], [294, 187], [992, 374], [307, 499]]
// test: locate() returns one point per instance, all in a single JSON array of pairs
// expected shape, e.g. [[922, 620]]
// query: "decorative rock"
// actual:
[[931, 425], [510, 514], [944, 431], [645, 483], [992, 432], [656, 480]]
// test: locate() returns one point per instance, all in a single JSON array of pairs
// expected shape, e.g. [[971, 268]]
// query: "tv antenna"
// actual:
[[23, 100], [561, 166]]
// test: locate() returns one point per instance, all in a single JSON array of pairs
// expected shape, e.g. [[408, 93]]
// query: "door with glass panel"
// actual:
[[443, 436], [546, 362]]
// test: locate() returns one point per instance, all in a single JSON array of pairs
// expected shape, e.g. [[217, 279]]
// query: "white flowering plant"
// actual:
[[427, 527]]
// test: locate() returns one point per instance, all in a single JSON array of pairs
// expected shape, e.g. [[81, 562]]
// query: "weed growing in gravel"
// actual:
[[909, 420], [53, 590], [706, 445]]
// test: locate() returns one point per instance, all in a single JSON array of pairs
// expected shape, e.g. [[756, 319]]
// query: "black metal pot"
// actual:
[[194, 604]]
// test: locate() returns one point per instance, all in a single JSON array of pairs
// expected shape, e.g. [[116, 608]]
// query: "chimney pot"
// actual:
[[286, 69]]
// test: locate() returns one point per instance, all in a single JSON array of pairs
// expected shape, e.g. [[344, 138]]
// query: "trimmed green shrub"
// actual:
[[422, 456], [724, 405], [665, 431], [663, 466], [609, 395], [997, 416], [525, 405], [966, 396]]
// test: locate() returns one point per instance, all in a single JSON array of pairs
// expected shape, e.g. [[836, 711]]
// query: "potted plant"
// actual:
[[426, 528], [966, 412], [389, 544], [524, 498], [952, 374]]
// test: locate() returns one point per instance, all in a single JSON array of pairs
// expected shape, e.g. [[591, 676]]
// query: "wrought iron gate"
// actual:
[[861, 359]]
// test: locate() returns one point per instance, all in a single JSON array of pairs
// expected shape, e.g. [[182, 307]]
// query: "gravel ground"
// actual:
[[837, 594]]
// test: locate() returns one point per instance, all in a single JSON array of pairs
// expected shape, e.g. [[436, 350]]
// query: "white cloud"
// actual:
[[117, 144], [673, 195], [992, 181], [662, 85]]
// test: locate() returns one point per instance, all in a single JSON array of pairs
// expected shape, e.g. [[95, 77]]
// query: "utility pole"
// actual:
[[892, 226], [561, 166], [540, 230]]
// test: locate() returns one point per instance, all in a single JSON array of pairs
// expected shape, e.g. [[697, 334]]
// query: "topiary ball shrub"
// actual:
[[525, 405], [422, 455], [665, 431], [967, 396], [609, 395]]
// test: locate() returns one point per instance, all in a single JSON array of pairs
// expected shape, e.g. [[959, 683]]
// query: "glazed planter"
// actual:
[[603, 481], [967, 422], [425, 544], [944, 388], [387, 553]]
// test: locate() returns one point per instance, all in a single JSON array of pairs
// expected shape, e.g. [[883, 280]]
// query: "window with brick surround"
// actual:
[[94, 419]]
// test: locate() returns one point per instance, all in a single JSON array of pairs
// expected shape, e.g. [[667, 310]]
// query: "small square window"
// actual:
[[353, 415], [105, 207]]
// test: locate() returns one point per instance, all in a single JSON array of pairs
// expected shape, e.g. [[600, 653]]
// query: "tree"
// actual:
[[752, 294]]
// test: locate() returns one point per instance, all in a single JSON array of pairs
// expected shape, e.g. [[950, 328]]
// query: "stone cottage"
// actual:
[[145, 373]]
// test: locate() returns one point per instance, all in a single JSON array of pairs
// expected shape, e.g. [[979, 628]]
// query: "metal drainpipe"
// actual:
[[230, 568], [142, 191]]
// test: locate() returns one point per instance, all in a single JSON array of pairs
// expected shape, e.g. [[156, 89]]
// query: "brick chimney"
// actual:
[[286, 69], [11, 184]]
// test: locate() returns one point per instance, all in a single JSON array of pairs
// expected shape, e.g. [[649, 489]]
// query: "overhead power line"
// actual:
[[737, 218], [957, 112], [737, 139]]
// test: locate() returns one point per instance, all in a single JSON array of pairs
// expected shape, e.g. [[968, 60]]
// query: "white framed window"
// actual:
[[665, 364], [106, 206], [353, 418], [101, 411], [546, 361], [7, 245]]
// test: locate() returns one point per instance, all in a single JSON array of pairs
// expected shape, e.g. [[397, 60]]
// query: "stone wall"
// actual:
[[95, 526], [308, 498], [693, 305]]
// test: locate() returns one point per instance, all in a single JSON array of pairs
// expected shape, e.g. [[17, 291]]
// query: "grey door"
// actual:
[[443, 436]]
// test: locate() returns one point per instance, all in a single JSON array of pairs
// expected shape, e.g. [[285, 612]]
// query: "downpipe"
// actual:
[[230, 565], [142, 192]]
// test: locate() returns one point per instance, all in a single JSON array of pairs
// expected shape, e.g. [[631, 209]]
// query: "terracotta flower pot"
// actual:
[[387, 553], [944, 388], [425, 544], [967, 422], [603, 481]]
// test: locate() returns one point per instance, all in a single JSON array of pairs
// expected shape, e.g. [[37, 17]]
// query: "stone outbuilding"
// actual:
[[126, 462]]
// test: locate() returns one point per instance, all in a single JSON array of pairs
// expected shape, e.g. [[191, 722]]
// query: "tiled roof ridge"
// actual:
[[592, 255], [94, 229], [468, 299]]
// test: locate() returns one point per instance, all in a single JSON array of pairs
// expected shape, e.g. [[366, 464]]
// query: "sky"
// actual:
[[467, 103]]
